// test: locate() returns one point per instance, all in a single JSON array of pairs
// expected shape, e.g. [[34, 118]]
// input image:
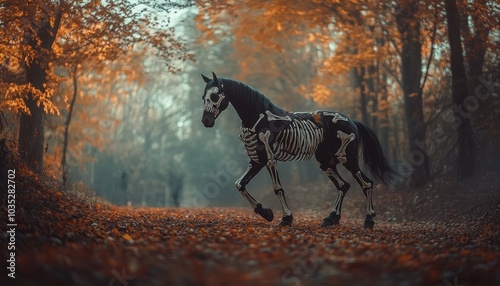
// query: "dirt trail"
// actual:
[[448, 234], [126, 246]]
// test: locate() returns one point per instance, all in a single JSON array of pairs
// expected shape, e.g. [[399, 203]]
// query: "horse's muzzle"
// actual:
[[208, 119]]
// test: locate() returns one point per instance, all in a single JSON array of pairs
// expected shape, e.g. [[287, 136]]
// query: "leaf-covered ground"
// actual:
[[216, 246], [447, 234], [104, 245]]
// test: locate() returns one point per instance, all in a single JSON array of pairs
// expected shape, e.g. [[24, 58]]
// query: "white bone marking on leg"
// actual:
[[345, 140], [369, 203], [238, 182], [284, 206], [243, 191], [336, 206], [271, 165], [273, 117], [249, 198], [364, 184], [336, 116], [330, 173], [264, 137], [271, 161]]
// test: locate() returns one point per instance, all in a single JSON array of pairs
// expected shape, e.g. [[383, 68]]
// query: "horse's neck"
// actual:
[[248, 113], [246, 104]]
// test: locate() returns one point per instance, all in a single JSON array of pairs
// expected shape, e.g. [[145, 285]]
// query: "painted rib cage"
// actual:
[[298, 141], [249, 139]]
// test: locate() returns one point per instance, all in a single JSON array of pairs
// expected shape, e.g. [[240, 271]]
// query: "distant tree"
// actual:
[[408, 24], [466, 153], [138, 124], [478, 26], [346, 42], [380, 47], [175, 181], [37, 36], [124, 186]]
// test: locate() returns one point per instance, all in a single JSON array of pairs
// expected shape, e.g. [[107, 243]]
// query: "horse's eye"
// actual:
[[214, 97]]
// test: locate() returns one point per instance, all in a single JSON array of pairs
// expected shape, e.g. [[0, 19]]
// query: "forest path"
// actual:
[[445, 234], [228, 246]]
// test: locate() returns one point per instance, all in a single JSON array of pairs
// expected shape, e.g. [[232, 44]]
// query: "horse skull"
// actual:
[[211, 105]]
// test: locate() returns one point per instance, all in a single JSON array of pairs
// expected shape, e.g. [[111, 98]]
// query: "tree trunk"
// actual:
[[475, 31], [460, 91], [175, 183], [475, 44], [31, 127], [66, 127], [358, 85], [383, 103], [384, 114], [373, 96], [411, 73], [397, 141]]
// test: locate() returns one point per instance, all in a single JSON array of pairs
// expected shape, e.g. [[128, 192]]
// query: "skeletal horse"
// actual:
[[271, 134]]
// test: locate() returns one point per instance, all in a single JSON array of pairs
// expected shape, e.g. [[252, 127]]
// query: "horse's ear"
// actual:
[[206, 79], [215, 79]]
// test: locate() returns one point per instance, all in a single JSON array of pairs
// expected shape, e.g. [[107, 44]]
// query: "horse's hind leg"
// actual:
[[366, 184], [329, 167]]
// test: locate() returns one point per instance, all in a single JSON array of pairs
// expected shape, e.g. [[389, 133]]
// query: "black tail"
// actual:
[[373, 155]]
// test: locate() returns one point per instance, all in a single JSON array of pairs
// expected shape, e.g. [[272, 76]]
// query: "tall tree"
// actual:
[[411, 73], [40, 36], [64, 33], [466, 164], [66, 125], [478, 19]]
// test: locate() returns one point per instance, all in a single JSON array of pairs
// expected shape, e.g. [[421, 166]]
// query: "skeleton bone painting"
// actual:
[[271, 134]]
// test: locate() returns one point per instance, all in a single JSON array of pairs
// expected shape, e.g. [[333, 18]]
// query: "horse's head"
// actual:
[[214, 100]]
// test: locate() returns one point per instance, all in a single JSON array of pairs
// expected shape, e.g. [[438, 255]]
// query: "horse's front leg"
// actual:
[[278, 190], [253, 169], [287, 218]]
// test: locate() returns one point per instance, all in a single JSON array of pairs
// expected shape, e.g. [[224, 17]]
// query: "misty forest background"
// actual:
[[108, 94]]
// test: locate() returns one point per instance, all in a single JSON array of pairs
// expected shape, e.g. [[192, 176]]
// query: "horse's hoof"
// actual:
[[330, 220], [327, 222], [266, 213], [369, 222], [286, 221]]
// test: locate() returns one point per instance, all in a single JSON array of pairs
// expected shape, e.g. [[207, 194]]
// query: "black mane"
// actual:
[[248, 102]]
